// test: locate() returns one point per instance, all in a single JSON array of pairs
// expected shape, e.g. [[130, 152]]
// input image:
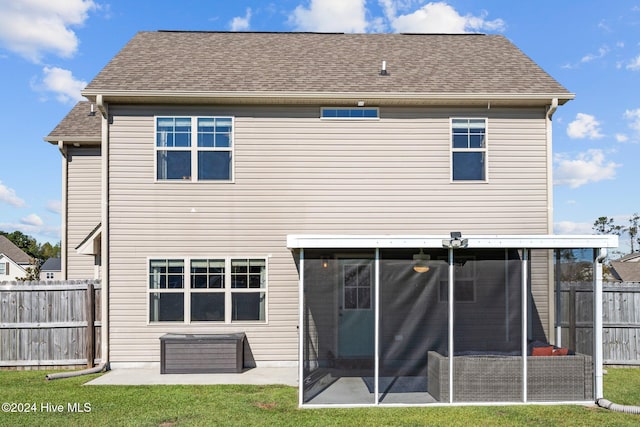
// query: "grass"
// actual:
[[231, 405]]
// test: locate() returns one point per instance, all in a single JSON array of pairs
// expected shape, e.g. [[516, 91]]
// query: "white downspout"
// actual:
[[551, 283], [597, 323], [104, 238], [63, 202]]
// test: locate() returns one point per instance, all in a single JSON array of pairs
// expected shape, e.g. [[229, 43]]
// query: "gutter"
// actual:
[[104, 241], [551, 108], [104, 250], [269, 97]]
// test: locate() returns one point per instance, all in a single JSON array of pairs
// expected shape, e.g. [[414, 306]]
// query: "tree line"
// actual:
[[606, 225], [39, 253]]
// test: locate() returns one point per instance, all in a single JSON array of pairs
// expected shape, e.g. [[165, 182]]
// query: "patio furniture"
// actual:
[[487, 378]]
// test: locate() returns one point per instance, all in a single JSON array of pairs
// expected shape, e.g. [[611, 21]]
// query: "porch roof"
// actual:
[[550, 241]]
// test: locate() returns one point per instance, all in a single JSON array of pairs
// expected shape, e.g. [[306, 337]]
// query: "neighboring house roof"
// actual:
[[9, 249], [634, 257], [430, 66], [79, 125], [627, 268], [52, 264], [626, 271]]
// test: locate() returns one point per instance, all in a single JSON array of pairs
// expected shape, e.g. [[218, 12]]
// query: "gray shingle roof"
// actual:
[[325, 63], [52, 264], [8, 248], [626, 271], [78, 125]]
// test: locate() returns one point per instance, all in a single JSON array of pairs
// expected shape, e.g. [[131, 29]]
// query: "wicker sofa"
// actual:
[[483, 378]]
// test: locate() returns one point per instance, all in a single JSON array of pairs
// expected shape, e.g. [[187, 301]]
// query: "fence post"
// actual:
[[90, 332], [572, 316]]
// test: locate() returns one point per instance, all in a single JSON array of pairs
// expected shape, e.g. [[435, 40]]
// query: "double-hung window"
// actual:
[[225, 290], [194, 148], [469, 149]]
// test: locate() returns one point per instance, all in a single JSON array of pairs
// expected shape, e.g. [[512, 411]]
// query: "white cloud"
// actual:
[[32, 28], [331, 15], [32, 219], [587, 167], [8, 195], [584, 126], [240, 23], [62, 82], [439, 17], [634, 65], [592, 56], [570, 227], [620, 137], [634, 119], [54, 206], [37, 231]]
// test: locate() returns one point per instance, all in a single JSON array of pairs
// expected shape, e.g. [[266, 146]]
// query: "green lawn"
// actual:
[[272, 405]]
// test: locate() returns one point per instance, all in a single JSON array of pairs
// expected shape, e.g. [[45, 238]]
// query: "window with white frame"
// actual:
[[468, 149], [4, 268], [194, 148], [224, 290]]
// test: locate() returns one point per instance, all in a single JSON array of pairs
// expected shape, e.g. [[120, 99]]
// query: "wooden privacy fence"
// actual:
[[49, 323], [620, 317]]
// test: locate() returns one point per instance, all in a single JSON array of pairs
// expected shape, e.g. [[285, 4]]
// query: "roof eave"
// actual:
[[73, 139], [378, 98]]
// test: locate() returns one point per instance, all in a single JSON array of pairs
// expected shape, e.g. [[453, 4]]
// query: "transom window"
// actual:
[[194, 148], [224, 290], [468, 149], [350, 113]]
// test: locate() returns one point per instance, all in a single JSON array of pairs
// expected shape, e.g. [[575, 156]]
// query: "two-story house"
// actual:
[[14, 262], [361, 206]]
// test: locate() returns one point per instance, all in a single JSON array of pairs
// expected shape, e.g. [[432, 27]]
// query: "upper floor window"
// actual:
[[350, 113], [469, 149], [194, 148]]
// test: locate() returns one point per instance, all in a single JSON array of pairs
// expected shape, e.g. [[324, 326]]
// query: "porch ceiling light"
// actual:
[[420, 266]]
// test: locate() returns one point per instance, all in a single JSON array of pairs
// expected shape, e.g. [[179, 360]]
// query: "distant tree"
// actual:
[[47, 251], [605, 225], [634, 224]]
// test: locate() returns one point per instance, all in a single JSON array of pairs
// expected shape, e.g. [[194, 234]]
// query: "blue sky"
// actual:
[[50, 49]]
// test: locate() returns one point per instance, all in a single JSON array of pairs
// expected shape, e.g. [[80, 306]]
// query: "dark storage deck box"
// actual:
[[201, 353]]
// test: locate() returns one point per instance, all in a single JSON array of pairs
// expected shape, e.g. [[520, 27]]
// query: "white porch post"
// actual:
[[597, 322], [376, 338], [525, 318], [558, 288], [301, 331], [451, 314]]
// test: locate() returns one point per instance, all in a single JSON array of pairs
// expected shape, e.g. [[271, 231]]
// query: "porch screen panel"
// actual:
[[413, 325], [487, 331], [565, 372], [339, 324]]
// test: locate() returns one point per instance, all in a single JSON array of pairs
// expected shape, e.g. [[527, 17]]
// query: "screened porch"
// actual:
[[380, 318]]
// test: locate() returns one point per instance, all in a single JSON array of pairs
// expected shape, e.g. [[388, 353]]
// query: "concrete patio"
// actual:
[[150, 375]]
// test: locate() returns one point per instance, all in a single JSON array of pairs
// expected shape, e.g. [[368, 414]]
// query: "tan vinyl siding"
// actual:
[[83, 207], [295, 173]]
